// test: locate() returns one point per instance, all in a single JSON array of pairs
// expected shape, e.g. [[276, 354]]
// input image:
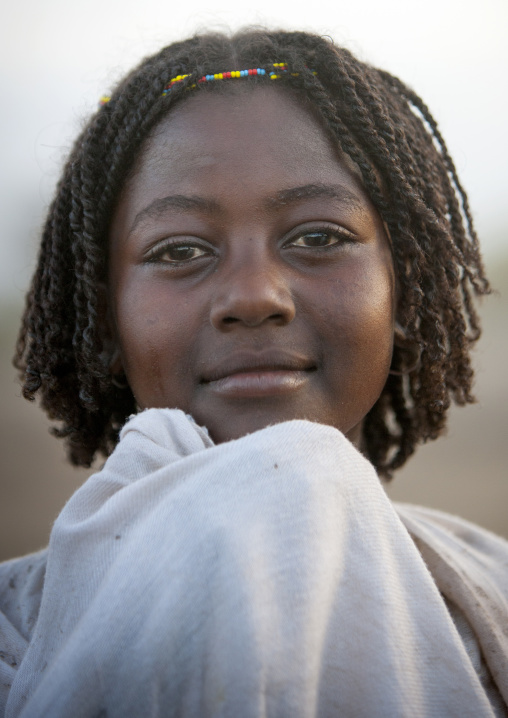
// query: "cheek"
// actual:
[[154, 332], [362, 304], [359, 314], [375, 321], [375, 312]]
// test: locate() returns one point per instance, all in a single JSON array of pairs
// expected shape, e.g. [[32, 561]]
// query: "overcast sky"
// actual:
[[58, 56]]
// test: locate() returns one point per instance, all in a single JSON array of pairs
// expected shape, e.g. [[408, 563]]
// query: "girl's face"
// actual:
[[251, 279]]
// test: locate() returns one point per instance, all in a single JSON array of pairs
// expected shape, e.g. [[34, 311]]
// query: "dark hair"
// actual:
[[389, 133]]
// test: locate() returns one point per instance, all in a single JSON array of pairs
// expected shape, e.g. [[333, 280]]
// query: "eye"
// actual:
[[176, 252], [315, 239], [321, 238]]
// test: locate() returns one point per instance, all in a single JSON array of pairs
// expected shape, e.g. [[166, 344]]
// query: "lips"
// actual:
[[267, 373], [246, 362]]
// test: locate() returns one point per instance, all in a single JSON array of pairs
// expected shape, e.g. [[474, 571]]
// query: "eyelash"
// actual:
[[156, 254], [341, 235]]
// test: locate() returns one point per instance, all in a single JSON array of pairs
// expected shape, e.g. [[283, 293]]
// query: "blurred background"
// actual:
[[57, 58]]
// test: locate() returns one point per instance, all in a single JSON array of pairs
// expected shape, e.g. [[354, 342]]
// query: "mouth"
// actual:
[[264, 374]]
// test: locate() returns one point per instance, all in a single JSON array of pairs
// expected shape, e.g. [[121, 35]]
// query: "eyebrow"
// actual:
[[311, 191], [180, 202], [189, 203]]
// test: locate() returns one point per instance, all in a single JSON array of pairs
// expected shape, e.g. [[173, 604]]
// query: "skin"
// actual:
[[250, 277]]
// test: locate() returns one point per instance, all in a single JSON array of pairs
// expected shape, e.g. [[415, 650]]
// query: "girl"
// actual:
[[261, 249]]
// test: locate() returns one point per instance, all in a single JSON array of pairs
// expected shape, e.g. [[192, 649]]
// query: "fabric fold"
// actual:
[[470, 568], [269, 576]]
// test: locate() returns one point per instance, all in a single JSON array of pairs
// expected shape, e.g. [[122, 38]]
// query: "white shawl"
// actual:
[[268, 576]]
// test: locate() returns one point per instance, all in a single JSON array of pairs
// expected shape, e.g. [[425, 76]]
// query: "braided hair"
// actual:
[[385, 128]]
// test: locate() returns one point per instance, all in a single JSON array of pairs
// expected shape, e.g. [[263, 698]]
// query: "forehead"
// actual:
[[261, 134]]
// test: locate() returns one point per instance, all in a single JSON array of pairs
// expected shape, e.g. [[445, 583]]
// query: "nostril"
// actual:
[[253, 321], [249, 307]]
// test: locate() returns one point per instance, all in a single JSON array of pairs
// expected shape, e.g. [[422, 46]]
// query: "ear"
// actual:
[[110, 352], [406, 353]]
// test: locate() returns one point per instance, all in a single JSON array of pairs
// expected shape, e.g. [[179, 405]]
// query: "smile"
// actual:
[[259, 383], [258, 375]]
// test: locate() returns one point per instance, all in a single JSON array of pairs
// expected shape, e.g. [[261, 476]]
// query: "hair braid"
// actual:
[[387, 131]]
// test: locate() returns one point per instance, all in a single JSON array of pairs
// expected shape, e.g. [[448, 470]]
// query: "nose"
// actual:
[[252, 294]]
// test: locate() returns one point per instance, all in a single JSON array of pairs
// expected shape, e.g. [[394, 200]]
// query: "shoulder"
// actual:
[[21, 584], [457, 551], [456, 539], [470, 568]]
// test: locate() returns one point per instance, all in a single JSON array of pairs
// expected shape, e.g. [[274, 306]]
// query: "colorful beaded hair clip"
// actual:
[[279, 69]]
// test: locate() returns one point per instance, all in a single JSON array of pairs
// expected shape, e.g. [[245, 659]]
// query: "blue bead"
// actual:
[[261, 72]]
